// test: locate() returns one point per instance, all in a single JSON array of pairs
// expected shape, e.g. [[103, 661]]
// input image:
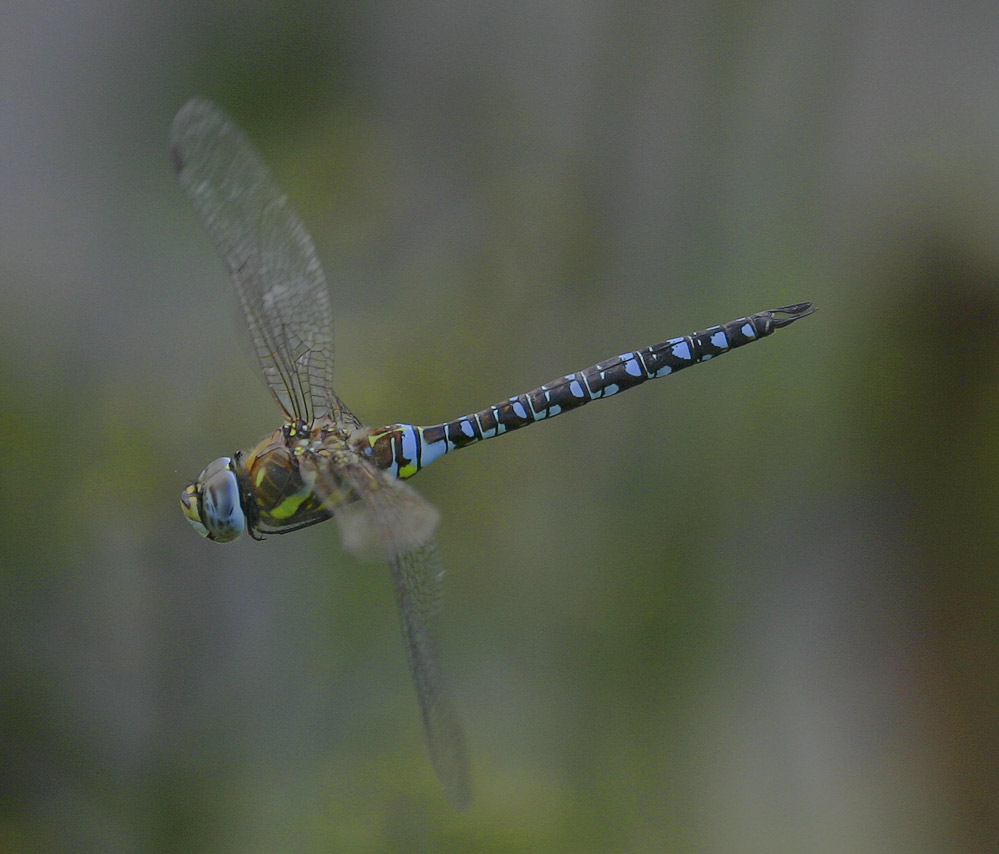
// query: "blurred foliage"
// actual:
[[752, 608]]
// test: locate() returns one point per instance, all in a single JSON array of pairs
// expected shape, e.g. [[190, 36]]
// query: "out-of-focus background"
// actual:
[[751, 608]]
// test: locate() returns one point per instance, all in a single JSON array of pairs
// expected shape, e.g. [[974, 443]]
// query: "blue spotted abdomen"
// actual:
[[406, 449]]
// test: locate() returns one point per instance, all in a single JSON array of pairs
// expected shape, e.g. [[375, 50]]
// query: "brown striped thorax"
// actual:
[[272, 488]]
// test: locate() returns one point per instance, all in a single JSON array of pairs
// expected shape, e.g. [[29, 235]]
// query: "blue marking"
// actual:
[[409, 440], [662, 372], [631, 366], [518, 410], [681, 351], [706, 357], [467, 428], [433, 451], [748, 330], [575, 389], [552, 411], [609, 389], [719, 340]]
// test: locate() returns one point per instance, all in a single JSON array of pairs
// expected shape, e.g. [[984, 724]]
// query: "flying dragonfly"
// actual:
[[322, 462]]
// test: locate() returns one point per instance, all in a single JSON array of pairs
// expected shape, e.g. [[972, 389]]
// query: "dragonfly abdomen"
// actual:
[[405, 449]]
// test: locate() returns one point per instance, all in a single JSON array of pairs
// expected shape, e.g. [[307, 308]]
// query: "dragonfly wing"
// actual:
[[394, 518], [417, 572], [270, 257]]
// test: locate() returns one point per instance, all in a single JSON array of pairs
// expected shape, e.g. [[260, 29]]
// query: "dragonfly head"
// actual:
[[212, 504]]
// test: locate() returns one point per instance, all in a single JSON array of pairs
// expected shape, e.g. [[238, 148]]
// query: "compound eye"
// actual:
[[218, 514]]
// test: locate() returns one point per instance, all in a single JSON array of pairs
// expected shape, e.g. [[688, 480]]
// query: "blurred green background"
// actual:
[[751, 608]]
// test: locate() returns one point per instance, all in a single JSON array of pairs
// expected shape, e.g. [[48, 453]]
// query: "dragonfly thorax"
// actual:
[[212, 503]]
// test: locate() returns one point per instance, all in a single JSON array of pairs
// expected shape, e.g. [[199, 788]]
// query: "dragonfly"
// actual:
[[323, 462]]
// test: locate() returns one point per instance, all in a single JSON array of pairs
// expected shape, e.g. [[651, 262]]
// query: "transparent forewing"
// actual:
[[396, 521], [270, 257]]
